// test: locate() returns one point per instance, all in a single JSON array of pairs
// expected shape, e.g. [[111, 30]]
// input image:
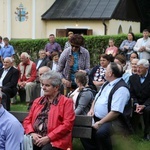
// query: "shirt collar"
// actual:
[[112, 83], [2, 110], [145, 75]]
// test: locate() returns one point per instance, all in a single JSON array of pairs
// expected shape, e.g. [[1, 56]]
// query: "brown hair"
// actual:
[[108, 57], [121, 58], [77, 40], [81, 77]]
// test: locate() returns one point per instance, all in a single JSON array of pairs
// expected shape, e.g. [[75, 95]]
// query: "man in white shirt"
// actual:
[[142, 46], [103, 117]]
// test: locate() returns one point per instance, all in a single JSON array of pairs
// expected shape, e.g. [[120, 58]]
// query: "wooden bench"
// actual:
[[82, 126]]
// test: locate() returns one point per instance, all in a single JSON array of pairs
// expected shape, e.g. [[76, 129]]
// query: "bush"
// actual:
[[95, 44]]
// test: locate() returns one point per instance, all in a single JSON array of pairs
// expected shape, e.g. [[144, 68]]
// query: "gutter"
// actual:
[[105, 27]]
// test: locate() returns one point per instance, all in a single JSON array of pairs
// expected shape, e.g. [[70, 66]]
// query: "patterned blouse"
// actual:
[[99, 74]]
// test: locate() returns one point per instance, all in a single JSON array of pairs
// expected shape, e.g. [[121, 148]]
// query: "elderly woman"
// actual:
[[51, 117], [83, 95], [73, 59]]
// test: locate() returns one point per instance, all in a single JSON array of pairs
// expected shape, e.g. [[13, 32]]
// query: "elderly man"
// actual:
[[27, 70], [52, 46], [108, 106], [73, 59], [43, 59], [8, 80], [11, 131], [142, 46], [51, 117], [140, 92]]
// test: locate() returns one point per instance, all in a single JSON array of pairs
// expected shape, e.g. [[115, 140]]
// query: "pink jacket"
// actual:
[[60, 121]]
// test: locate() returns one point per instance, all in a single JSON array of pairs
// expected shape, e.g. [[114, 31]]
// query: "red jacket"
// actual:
[[60, 121]]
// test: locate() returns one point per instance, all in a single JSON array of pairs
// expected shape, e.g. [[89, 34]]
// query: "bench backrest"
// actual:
[[82, 125]]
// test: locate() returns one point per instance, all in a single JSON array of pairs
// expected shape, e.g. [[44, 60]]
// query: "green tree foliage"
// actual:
[[95, 44]]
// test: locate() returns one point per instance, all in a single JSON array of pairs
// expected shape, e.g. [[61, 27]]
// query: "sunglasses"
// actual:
[[75, 46]]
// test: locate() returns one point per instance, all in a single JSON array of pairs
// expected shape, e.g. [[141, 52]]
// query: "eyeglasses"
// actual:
[[74, 46]]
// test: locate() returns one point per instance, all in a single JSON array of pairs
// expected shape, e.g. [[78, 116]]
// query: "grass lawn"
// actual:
[[133, 142]]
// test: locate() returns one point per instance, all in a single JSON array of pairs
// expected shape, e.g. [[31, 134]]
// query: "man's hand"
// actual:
[[96, 125], [90, 113], [139, 108]]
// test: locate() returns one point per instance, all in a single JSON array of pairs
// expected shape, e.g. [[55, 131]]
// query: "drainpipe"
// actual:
[[105, 27]]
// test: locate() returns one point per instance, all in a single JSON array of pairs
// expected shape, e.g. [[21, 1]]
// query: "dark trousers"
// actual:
[[146, 117], [45, 147], [101, 138]]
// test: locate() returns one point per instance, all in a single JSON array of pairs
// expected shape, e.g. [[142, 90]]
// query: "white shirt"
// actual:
[[54, 68], [3, 76], [38, 64], [2, 45], [119, 100]]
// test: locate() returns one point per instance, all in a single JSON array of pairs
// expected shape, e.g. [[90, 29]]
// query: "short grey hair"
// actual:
[[55, 78], [9, 58], [25, 54], [143, 62]]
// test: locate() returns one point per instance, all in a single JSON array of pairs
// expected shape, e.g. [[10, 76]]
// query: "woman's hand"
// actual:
[[43, 141], [35, 137]]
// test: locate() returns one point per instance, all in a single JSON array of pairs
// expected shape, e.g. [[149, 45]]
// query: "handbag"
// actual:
[[27, 142]]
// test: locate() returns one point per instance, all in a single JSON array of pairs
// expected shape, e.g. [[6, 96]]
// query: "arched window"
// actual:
[[130, 29], [120, 30]]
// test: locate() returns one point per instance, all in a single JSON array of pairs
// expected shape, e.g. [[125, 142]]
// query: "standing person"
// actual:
[[73, 59], [105, 112], [67, 44], [140, 93], [51, 117], [1, 42], [8, 80], [7, 50], [27, 77], [97, 74], [127, 45], [11, 131], [52, 46], [143, 46], [112, 49]]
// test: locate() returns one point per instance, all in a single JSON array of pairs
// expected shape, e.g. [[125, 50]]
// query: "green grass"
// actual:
[[133, 142]]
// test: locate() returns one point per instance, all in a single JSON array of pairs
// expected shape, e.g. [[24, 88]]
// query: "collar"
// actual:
[[28, 63], [80, 51], [145, 75], [7, 69], [7, 45], [112, 83], [2, 110]]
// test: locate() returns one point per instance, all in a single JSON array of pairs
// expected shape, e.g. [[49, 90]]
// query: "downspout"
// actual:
[[105, 27]]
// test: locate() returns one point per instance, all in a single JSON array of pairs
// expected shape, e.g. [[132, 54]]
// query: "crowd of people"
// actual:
[[60, 84]]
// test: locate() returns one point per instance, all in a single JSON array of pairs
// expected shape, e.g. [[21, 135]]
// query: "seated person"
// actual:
[[11, 131], [51, 117], [42, 60], [112, 49], [8, 80], [97, 74], [83, 95], [54, 63], [67, 44], [140, 93], [27, 77], [107, 109]]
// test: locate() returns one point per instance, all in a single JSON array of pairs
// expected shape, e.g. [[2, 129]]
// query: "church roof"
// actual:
[[93, 9]]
